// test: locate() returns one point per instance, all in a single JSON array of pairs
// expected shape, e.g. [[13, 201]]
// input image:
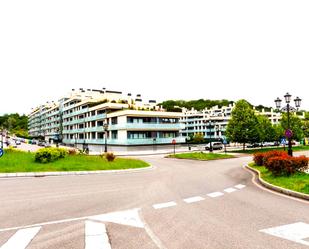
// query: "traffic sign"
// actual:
[[288, 133], [1, 152], [224, 141], [174, 141], [283, 141]]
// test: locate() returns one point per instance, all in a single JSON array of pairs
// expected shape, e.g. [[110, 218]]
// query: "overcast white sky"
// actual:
[[163, 49]]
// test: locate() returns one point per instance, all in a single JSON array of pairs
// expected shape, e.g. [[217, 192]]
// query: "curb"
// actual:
[[276, 188], [70, 173]]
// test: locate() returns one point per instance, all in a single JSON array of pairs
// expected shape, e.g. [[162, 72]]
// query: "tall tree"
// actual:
[[266, 130], [295, 125], [243, 125]]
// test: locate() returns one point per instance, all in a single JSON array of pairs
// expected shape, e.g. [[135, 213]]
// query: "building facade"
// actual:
[[80, 119], [212, 122]]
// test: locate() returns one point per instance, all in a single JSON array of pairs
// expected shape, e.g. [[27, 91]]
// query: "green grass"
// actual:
[[298, 182], [17, 161], [252, 151], [201, 156]]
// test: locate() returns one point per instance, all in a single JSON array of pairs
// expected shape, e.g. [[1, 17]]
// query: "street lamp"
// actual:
[[105, 126], [288, 109]]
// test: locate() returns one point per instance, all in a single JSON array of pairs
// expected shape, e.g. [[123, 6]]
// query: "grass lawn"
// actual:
[[201, 156], [298, 182], [252, 151], [18, 161]]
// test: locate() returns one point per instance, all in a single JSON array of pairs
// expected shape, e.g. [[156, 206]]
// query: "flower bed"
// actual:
[[280, 163]]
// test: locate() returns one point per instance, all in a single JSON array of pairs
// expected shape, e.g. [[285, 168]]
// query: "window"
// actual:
[[114, 134], [114, 120]]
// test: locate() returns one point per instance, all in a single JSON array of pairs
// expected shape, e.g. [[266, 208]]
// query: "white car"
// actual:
[[215, 146]]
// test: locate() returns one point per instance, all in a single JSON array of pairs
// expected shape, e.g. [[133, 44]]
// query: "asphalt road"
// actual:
[[177, 204]]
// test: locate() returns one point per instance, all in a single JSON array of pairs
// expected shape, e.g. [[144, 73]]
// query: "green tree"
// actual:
[[278, 132], [266, 130], [243, 125], [306, 128], [198, 138], [295, 125]]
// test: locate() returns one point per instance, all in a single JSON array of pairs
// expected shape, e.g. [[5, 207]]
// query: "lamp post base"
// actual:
[[290, 152]]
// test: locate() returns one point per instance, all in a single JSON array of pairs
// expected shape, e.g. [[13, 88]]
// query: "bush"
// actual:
[[46, 155], [262, 158], [300, 163], [280, 166], [280, 163], [72, 152], [110, 156], [274, 153], [258, 158]]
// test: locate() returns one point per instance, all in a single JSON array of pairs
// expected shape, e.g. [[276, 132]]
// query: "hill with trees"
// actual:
[[15, 124], [199, 104]]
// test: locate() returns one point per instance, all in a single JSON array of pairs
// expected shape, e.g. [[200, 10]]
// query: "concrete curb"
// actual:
[[70, 173], [276, 188]]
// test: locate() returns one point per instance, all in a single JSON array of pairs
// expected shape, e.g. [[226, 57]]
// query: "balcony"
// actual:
[[147, 126], [142, 141], [95, 117]]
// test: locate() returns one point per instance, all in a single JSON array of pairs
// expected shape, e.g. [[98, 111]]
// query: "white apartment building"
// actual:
[[212, 122], [78, 120]]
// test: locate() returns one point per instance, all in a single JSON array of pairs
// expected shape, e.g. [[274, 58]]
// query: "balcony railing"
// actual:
[[141, 141], [147, 126]]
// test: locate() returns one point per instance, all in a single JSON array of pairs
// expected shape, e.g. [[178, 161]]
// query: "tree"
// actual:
[[198, 138], [243, 125], [15, 124], [278, 132], [295, 125], [266, 130]]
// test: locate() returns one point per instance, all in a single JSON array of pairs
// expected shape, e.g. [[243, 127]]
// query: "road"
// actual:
[[177, 204]]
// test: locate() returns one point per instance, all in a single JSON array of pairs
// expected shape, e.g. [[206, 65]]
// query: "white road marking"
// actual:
[[21, 239], [127, 217], [96, 236], [240, 186], [164, 205], [295, 232], [193, 199], [229, 190], [215, 194]]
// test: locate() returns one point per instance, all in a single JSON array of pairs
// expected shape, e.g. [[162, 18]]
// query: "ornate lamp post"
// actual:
[[105, 126], [288, 109]]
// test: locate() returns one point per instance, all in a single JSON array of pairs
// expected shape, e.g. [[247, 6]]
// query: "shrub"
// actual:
[[275, 153], [279, 166], [300, 163], [72, 152], [46, 155], [280, 163], [258, 158], [110, 156], [262, 158], [63, 152], [286, 165]]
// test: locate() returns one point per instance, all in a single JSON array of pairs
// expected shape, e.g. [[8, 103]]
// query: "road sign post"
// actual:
[[174, 143]]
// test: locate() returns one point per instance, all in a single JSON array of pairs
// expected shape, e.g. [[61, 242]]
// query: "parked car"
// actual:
[[17, 142], [215, 146], [254, 145], [42, 143]]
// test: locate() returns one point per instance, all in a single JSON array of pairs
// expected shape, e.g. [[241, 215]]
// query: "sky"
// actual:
[[163, 49]]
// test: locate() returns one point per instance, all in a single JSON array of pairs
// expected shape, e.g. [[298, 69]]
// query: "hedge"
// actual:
[[280, 163]]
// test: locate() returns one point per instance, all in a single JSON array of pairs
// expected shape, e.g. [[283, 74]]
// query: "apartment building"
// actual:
[[212, 122], [88, 117]]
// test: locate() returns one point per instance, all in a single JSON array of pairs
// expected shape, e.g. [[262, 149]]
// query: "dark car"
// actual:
[[254, 145]]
